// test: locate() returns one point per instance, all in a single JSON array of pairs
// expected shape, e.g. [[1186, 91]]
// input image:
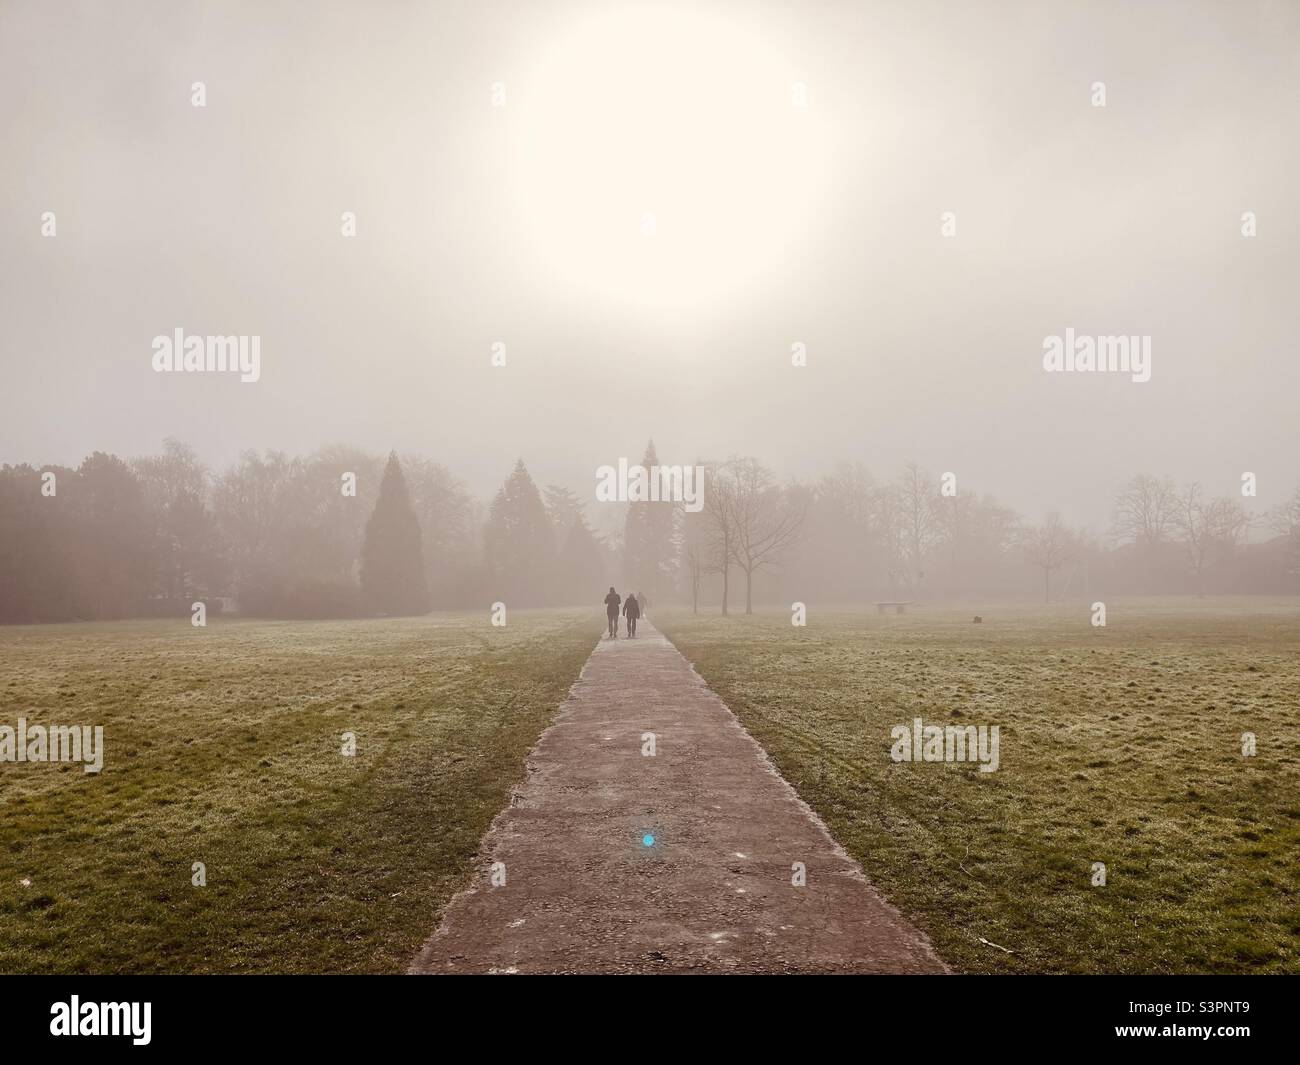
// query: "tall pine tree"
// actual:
[[392, 564], [520, 542], [649, 542]]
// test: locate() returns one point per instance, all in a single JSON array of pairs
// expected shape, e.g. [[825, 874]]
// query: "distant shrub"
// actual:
[[303, 598]]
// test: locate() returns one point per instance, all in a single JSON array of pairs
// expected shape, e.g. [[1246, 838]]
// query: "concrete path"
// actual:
[[619, 862]]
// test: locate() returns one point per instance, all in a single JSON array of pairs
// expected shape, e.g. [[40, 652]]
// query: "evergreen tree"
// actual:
[[582, 563], [649, 542], [520, 542], [392, 565], [563, 506]]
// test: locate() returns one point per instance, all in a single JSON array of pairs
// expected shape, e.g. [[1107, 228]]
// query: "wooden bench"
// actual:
[[899, 608]]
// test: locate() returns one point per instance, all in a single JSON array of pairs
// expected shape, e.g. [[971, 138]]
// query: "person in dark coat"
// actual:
[[631, 611], [611, 611]]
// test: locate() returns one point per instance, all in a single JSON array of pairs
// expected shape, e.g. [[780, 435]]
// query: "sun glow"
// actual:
[[664, 157]]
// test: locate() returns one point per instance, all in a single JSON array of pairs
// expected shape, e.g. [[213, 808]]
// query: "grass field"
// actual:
[[223, 746], [1119, 745]]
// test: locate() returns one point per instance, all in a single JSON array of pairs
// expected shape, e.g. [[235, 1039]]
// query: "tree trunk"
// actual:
[[1047, 584], [749, 591]]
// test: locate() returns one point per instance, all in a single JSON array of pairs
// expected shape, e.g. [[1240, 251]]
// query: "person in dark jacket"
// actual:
[[631, 611], [611, 611]]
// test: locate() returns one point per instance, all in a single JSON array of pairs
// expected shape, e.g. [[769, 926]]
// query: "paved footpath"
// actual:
[[586, 891]]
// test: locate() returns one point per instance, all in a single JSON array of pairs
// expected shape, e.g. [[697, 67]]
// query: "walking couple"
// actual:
[[631, 611]]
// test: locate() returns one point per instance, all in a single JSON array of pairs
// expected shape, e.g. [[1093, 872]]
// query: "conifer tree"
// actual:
[[520, 542], [649, 542], [392, 565]]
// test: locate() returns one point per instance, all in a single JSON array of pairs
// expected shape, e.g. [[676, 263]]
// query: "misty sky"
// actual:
[[773, 224]]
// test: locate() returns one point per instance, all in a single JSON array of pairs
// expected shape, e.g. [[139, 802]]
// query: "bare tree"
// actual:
[[953, 518], [1048, 546], [768, 520], [920, 518], [891, 533], [697, 553], [754, 520], [909, 524], [1285, 518], [719, 541], [849, 490], [1285, 521], [1208, 528], [1146, 515], [1146, 512], [841, 532]]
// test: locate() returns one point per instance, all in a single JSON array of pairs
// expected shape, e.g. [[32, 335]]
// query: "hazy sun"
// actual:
[[664, 157]]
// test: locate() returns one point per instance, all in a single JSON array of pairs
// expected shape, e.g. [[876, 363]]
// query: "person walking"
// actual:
[[611, 612], [631, 611]]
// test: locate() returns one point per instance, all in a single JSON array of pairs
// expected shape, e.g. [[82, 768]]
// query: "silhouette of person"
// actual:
[[631, 611], [611, 611]]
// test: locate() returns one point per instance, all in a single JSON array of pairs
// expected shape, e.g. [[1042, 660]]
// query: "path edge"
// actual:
[[855, 870], [419, 964]]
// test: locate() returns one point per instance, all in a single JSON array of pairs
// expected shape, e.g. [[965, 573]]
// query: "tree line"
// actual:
[[343, 533], [918, 536]]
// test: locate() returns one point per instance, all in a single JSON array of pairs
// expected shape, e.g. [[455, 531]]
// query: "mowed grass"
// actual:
[[1120, 745], [223, 746]]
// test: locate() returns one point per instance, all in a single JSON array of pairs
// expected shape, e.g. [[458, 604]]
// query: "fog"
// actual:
[[648, 207]]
